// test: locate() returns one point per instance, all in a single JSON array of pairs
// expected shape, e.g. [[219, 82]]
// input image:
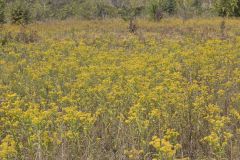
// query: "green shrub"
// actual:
[[170, 6], [105, 10], [129, 12], [2, 11], [155, 9], [20, 13], [87, 10], [40, 10], [92, 9], [227, 7], [64, 12]]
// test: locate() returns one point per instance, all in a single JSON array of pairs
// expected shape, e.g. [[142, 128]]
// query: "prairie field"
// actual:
[[90, 90]]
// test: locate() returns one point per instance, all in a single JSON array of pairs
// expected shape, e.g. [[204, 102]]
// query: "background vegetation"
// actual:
[[36, 10]]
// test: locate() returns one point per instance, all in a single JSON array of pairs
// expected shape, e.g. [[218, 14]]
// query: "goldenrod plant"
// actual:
[[92, 90]]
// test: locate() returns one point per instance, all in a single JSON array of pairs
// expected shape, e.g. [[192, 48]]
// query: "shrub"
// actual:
[[227, 7], [65, 12], [185, 9], [40, 10], [130, 14], [20, 13], [155, 9], [2, 14], [104, 10], [93, 9], [170, 6]]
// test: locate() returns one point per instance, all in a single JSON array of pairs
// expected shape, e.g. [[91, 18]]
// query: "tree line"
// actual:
[[25, 11]]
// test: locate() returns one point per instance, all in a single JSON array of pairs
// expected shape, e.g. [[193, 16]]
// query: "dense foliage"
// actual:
[[2, 14], [39, 10], [99, 92], [20, 13], [228, 7]]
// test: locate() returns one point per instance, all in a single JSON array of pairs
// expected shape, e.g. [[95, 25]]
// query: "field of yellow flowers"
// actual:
[[89, 90]]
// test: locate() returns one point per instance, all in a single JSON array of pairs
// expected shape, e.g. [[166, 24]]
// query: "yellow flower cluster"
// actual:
[[80, 92], [164, 146], [8, 148]]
